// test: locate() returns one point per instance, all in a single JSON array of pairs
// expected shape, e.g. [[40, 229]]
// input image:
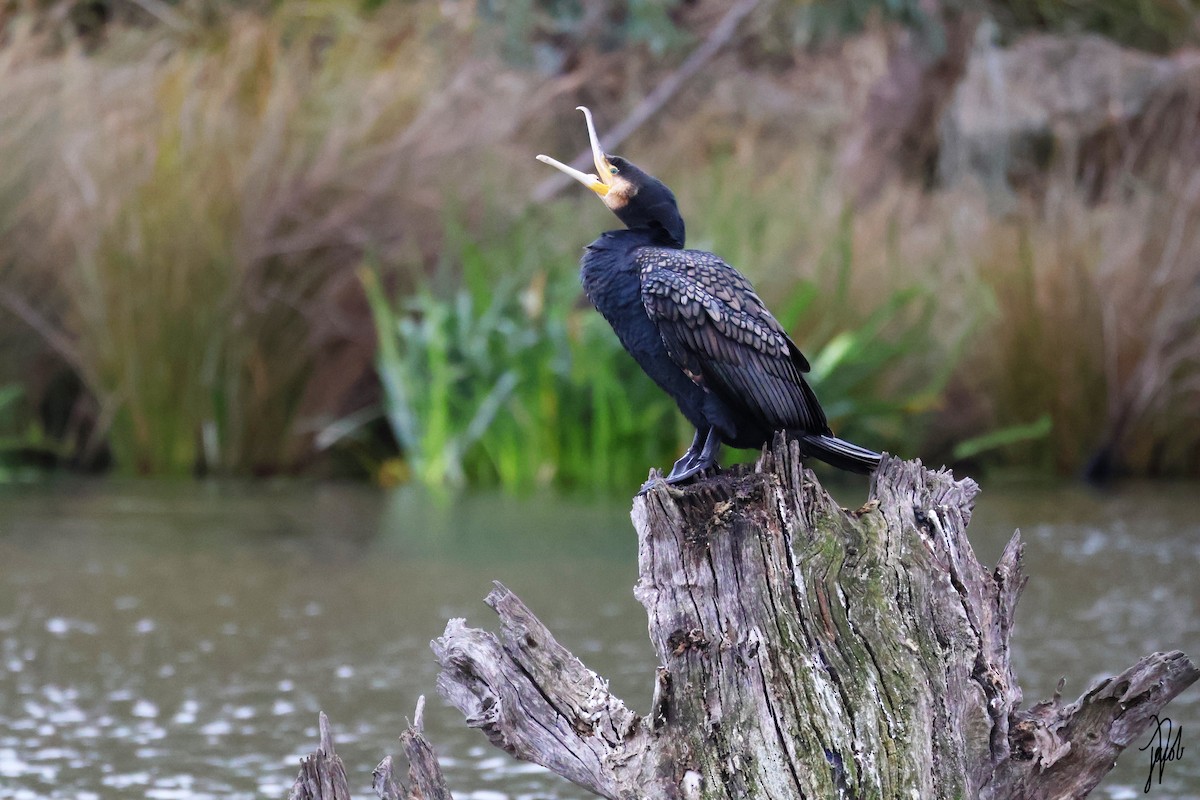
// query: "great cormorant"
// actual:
[[696, 326]]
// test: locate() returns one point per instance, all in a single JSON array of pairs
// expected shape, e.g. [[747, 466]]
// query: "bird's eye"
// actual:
[[612, 170]]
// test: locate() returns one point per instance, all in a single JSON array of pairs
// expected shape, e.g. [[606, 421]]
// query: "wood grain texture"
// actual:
[[805, 651], [323, 777]]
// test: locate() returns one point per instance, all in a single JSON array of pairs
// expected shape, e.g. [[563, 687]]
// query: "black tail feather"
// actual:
[[840, 453]]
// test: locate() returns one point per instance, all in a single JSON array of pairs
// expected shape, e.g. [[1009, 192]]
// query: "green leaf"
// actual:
[[1038, 429]]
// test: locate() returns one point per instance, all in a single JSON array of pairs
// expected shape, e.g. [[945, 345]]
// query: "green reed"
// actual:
[[182, 215], [504, 378], [507, 376]]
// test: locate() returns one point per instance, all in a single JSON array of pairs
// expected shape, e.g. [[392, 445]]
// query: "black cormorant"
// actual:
[[697, 328]]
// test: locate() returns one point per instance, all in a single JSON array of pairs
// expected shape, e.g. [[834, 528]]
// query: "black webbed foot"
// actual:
[[680, 470], [699, 460]]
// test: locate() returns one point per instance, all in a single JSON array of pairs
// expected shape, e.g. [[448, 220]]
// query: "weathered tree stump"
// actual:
[[323, 776], [806, 651]]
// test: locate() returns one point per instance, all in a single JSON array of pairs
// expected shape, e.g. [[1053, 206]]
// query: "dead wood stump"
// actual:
[[806, 651], [323, 776]]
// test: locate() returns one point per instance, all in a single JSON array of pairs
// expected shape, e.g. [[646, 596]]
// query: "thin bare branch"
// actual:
[[652, 103]]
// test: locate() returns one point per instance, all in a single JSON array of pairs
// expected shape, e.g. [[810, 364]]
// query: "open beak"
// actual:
[[602, 181]]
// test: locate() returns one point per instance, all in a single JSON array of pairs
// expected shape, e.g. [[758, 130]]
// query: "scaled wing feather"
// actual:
[[719, 332]]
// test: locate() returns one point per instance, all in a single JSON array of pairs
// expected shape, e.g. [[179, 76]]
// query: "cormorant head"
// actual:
[[640, 200]]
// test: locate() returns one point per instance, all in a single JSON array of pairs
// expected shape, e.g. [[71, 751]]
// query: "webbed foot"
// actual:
[[699, 458], [680, 470]]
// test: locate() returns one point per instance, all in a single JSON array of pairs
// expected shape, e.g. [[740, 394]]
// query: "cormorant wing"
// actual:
[[719, 332]]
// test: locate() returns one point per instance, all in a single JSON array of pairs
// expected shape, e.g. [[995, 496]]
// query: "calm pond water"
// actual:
[[177, 640]]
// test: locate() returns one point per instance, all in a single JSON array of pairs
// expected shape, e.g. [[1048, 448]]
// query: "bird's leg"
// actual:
[[712, 448], [701, 456], [685, 467], [705, 459], [685, 460]]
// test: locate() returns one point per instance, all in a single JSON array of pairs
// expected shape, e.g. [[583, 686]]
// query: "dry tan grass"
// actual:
[[1086, 310], [181, 215], [1095, 320]]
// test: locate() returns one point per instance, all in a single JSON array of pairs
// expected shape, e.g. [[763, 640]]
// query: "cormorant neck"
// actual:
[[656, 234], [641, 236], [652, 212]]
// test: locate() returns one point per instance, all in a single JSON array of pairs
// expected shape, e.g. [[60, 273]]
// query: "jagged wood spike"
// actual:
[[322, 774], [323, 777]]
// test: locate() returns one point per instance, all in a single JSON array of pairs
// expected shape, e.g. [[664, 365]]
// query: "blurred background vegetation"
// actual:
[[299, 237]]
